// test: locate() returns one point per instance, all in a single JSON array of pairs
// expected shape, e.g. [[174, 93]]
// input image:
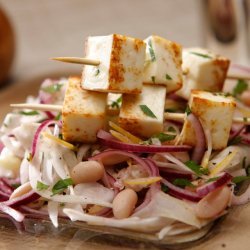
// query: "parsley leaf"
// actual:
[[168, 77], [171, 129], [97, 72], [181, 182], [52, 88], [41, 186], [58, 117], [212, 179], [61, 185], [147, 111], [240, 87], [116, 104], [164, 188], [188, 111], [201, 55], [198, 169], [239, 179], [151, 51], [164, 137], [153, 79], [29, 112], [235, 140]]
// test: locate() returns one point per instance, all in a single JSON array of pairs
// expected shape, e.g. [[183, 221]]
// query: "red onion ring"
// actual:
[[209, 187], [174, 174], [236, 132], [43, 126], [180, 192], [5, 187], [200, 145], [23, 200], [106, 139], [29, 210], [12, 212], [3, 196]]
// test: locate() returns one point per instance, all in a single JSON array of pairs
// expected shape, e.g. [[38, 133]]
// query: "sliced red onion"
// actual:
[[112, 152], [23, 200], [153, 168], [5, 187], [236, 130], [29, 210], [171, 174], [1, 147], [3, 196], [240, 68], [106, 139], [180, 192], [12, 212], [245, 138], [209, 187], [43, 126], [200, 145]]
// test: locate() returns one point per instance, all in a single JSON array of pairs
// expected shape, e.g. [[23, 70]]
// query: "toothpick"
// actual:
[[168, 116], [77, 60]]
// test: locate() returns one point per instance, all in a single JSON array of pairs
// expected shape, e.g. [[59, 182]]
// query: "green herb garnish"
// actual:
[[183, 182], [245, 119], [52, 88], [151, 51], [116, 104], [61, 185], [164, 188], [58, 117], [29, 112], [239, 179], [198, 169], [168, 77], [201, 55], [240, 87], [212, 179], [97, 72], [153, 79], [188, 111], [170, 110], [147, 111], [164, 137], [171, 129], [41, 186]]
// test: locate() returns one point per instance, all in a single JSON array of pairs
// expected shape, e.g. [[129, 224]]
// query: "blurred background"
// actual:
[[49, 28]]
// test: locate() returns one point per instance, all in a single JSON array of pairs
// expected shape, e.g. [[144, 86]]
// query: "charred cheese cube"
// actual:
[[215, 112], [139, 122], [202, 70], [121, 64], [83, 113], [163, 63]]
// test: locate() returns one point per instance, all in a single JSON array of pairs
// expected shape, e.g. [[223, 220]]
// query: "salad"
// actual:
[[164, 162]]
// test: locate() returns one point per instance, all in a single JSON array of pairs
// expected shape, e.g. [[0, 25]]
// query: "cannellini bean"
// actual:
[[87, 171], [124, 203], [213, 203], [245, 97], [21, 190]]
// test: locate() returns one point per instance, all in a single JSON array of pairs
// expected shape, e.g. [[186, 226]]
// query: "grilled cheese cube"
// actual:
[[133, 119], [163, 63], [121, 68], [83, 113], [202, 70], [215, 112]]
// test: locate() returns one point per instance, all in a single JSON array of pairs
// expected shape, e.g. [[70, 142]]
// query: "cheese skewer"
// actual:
[[169, 116], [87, 61]]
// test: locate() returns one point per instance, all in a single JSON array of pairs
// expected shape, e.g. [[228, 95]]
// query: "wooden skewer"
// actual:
[[77, 60], [169, 116], [87, 61]]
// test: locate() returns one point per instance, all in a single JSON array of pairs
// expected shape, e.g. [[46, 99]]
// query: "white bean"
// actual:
[[21, 190], [124, 203], [87, 171], [214, 203]]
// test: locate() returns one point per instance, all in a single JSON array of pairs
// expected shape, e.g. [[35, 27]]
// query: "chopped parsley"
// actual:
[[240, 87], [164, 188], [52, 88], [58, 117], [147, 111], [171, 129], [153, 79], [41, 186], [170, 110], [164, 137], [198, 169], [151, 51], [201, 55], [116, 104], [29, 112], [212, 179], [61, 185], [181, 182], [188, 111], [239, 179], [168, 77], [97, 72]]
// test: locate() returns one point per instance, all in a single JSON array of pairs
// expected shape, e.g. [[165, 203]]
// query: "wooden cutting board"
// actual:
[[231, 233]]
